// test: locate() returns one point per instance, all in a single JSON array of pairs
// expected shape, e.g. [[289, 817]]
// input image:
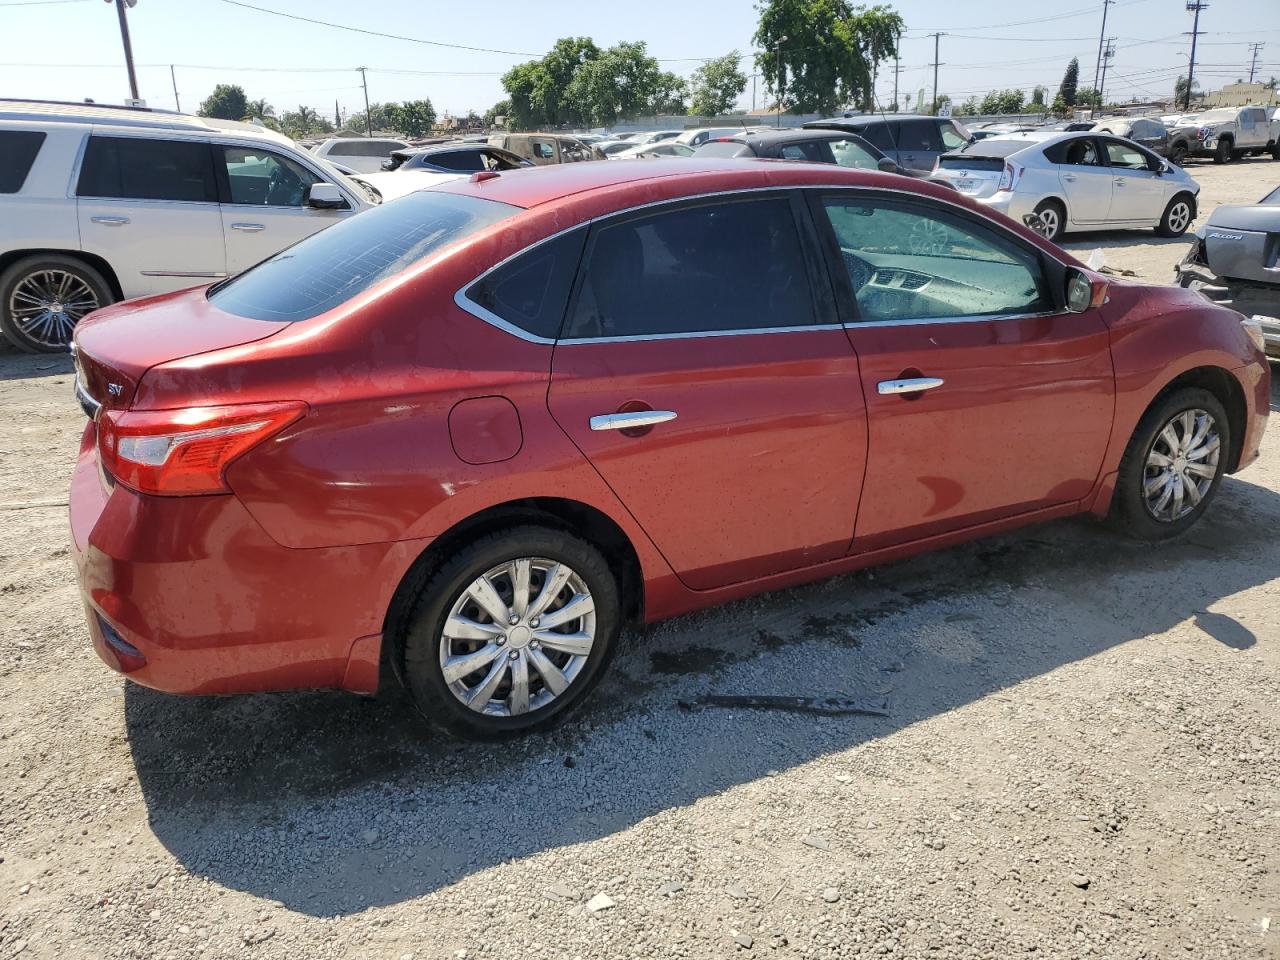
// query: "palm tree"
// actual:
[[307, 119], [260, 110]]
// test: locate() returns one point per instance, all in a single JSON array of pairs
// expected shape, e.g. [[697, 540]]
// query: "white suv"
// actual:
[[100, 203]]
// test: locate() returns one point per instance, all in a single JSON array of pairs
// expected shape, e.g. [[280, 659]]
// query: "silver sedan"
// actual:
[[1074, 181]]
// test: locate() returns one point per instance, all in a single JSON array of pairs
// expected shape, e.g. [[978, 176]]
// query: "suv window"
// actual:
[[332, 266], [732, 265], [531, 290], [262, 178], [919, 135], [137, 168], [814, 150], [907, 262], [952, 139], [880, 135], [18, 149]]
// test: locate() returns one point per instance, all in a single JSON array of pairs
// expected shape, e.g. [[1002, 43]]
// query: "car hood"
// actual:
[[396, 183], [1263, 218]]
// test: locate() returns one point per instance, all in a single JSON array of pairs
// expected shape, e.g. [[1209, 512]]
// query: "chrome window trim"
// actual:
[[463, 302]]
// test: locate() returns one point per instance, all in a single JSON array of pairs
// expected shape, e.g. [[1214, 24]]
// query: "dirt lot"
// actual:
[[1082, 759]]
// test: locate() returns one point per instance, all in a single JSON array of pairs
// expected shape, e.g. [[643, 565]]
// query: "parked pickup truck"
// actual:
[[1229, 133]]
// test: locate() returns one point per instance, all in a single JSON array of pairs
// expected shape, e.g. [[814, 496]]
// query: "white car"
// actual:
[[100, 203], [393, 184], [649, 151], [1074, 181], [363, 154], [700, 135]]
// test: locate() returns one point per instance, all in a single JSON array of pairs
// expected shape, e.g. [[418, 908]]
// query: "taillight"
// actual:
[[183, 452], [1010, 176]]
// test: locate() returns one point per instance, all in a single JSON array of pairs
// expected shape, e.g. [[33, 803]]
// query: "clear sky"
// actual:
[[70, 49]]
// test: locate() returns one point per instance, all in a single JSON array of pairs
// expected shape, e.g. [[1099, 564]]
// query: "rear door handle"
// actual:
[[913, 385], [249, 227], [111, 221], [630, 421], [1069, 177]]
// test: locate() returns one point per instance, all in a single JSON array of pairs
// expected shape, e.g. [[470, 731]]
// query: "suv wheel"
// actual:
[[42, 298], [511, 633]]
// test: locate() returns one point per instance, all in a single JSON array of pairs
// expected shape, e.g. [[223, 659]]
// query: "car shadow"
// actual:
[[15, 365], [331, 804], [1120, 238]]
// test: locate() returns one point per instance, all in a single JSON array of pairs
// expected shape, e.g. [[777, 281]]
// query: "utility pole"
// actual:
[[128, 47], [368, 120], [1097, 66], [777, 49], [1197, 6], [1256, 48], [937, 38], [897, 69], [1107, 54], [174, 77]]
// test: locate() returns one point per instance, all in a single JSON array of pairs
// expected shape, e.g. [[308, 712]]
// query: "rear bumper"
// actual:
[[190, 595], [1012, 204]]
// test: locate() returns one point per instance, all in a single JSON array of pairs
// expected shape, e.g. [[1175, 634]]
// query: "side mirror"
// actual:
[[1084, 292], [887, 165], [325, 196]]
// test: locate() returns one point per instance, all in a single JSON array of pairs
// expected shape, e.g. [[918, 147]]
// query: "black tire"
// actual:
[[1130, 513], [1177, 216], [421, 653], [1222, 151], [1055, 227], [1178, 154], [1275, 150], [31, 270]]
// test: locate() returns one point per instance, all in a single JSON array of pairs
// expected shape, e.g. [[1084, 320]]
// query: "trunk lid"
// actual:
[[974, 176], [114, 347]]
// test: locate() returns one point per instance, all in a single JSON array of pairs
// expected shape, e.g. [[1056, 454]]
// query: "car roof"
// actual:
[[789, 135], [871, 118], [55, 111]]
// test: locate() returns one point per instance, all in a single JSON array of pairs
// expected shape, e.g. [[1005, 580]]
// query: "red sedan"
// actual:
[[469, 434]]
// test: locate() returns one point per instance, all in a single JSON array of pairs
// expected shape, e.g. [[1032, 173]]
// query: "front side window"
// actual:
[[18, 149], [735, 265], [543, 150], [135, 168], [530, 291], [910, 262], [331, 267], [850, 153], [1125, 155], [261, 178]]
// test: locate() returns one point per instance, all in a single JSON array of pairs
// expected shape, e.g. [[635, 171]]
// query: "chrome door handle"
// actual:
[[629, 421], [1119, 181], [1069, 177], [249, 227], [914, 385], [111, 221]]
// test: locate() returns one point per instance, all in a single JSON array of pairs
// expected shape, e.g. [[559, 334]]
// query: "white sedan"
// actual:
[[1074, 181]]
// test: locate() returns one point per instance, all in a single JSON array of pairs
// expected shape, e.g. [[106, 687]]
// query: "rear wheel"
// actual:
[[512, 633], [1053, 218], [1173, 465], [43, 297], [1177, 217], [1222, 152]]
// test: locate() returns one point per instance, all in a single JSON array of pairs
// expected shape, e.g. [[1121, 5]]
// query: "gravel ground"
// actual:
[[1080, 760]]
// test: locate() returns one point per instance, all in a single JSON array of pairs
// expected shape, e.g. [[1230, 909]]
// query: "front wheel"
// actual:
[[1177, 217], [43, 297], [1222, 152], [1052, 219], [511, 633], [1178, 154], [1173, 465]]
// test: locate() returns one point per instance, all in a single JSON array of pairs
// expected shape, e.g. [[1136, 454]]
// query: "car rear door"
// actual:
[[1084, 178], [985, 399], [149, 207], [919, 144], [702, 373]]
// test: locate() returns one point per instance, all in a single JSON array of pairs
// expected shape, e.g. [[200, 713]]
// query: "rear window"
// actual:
[[331, 267], [18, 149], [990, 147], [725, 148], [531, 290]]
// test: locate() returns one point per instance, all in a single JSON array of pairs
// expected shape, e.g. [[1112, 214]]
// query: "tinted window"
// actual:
[[879, 135], [815, 150], [145, 169], [18, 149], [1080, 152], [457, 159], [918, 135], [530, 291], [262, 178], [724, 266], [330, 267], [907, 263], [363, 148]]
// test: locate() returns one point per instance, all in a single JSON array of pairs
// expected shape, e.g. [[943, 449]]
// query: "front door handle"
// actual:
[[631, 421], [111, 221], [1069, 177], [1119, 181], [912, 385], [249, 227]]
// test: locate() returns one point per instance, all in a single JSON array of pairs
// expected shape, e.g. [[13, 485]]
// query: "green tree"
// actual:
[[413, 118], [537, 89], [1002, 101], [1088, 97], [259, 110], [1038, 95], [382, 114], [1070, 81], [304, 122], [1059, 107], [227, 102], [671, 95], [819, 55], [716, 85], [500, 109], [970, 108], [623, 82], [1180, 90]]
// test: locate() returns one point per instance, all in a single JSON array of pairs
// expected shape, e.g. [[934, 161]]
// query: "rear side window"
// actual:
[[879, 135], [18, 149], [735, 265], [813, 150], [364, 148], [457, 160], [726, 148], [918, 135], [134, 168], [331, 267], [530, 291]]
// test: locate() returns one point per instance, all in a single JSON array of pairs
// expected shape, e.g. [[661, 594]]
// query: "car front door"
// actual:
[[1085, 179], [702, 373], [1137, 190], [985, 398], [149, 208], [264, 204]]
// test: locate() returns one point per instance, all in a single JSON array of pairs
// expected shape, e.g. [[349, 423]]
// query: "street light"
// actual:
[[128, 47], [777, 49]]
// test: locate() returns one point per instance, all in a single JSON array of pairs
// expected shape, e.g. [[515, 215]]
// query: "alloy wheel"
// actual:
[[1181, 465], [1049, 222], [1179, 216], [517, 637], [46, 305]]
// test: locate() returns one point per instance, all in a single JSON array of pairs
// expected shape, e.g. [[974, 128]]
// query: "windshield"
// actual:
[[331, 267]]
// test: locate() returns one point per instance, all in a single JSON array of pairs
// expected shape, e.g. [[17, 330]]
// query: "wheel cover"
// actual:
[[1049, 219], [46, 305], [1181, 465], [1179, 216], [517, 637]]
